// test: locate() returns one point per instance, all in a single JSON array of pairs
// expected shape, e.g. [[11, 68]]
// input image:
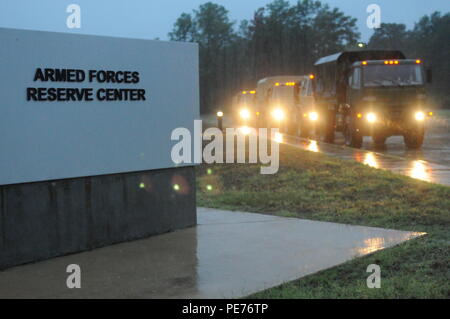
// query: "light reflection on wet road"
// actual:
[[430, 164], [394, 157]]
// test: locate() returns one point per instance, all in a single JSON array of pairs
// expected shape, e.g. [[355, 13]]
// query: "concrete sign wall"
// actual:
[[85, 141], [76, 105]]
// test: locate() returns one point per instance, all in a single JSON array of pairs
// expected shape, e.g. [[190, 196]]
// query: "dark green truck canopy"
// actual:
[[354, 56], [332, 71]]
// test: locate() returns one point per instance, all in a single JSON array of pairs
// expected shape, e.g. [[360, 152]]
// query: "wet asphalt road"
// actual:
[[436, 148], [410, 164], [431, 163]]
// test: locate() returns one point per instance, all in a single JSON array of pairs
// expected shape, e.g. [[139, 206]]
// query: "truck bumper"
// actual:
[[388, 128]]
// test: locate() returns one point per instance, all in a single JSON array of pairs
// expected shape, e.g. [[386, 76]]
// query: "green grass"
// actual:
[[314, 186]]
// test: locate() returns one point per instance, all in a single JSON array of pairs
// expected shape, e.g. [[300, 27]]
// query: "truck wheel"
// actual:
[[329, 136], [414, 139], [304, 129], [325, 134], [291, 128], [304, 133], [353, 138], [329, 128], [294, 125]]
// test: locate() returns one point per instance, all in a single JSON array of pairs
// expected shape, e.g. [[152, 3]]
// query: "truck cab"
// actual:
[[244, 108], [373, 93], [386, 98], [285, 103], [309, 117]]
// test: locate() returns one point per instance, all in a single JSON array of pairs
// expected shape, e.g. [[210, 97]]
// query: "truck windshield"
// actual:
[[246, 99], [284, 93], [389, 75]]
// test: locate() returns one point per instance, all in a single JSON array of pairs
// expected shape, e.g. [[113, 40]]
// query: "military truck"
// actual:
[[280, 104], [375, 93], [244, 108], [309, 117]]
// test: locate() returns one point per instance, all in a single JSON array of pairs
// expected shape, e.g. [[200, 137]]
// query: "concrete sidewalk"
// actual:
[[228, 255]]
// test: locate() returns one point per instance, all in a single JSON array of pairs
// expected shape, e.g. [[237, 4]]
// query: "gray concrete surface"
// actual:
[[229, 254], [47, 219]]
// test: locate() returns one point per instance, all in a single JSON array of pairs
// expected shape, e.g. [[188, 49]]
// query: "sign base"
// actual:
[[48, 219]]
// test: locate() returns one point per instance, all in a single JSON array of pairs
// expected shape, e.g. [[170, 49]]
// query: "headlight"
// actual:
[[371, 117], [245, 114], [220, 114], [278, 114], [278, 137], [245, 130], [313, 116], [420, 116]]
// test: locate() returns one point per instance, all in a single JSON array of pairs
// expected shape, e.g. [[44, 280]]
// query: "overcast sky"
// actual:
[[154, 18]]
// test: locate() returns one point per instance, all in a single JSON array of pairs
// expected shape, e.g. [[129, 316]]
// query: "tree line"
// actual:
[[285, 39]]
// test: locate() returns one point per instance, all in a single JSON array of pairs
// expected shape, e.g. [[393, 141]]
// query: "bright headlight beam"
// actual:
[[278, 114], [245, 114], [278, 137], [371, 117], [245, 130], [420, 116], [313, 116]]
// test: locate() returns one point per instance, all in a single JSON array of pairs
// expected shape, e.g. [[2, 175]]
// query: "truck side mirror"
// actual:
[[429, 76]]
